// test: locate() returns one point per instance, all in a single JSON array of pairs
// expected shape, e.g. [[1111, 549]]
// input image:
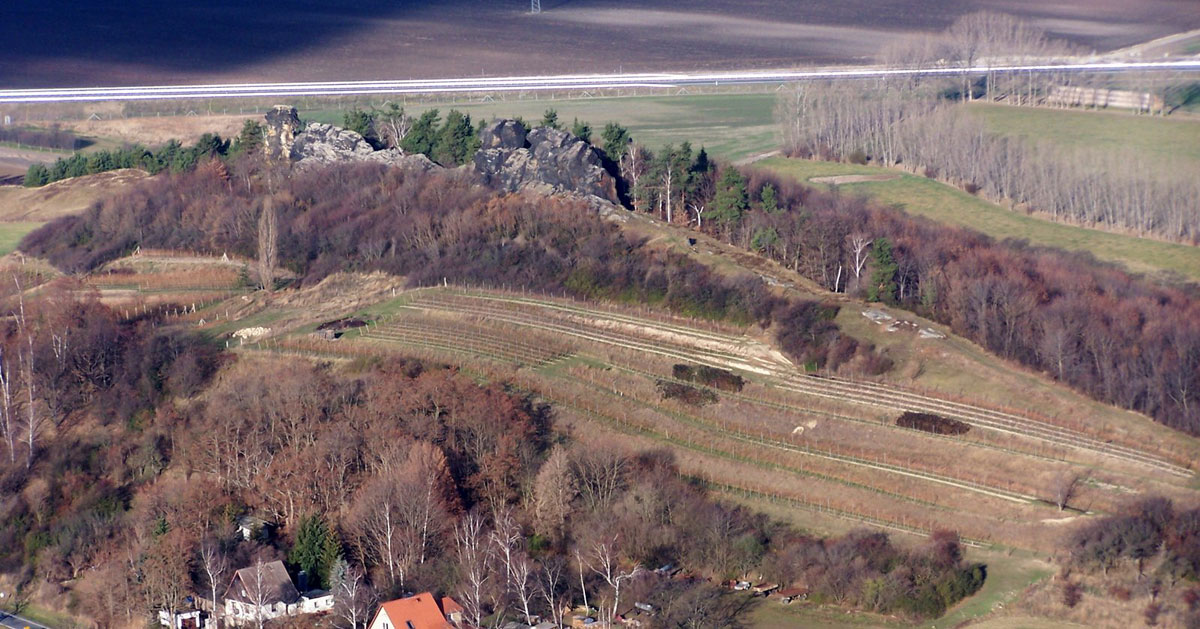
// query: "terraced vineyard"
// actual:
[[815, 442]]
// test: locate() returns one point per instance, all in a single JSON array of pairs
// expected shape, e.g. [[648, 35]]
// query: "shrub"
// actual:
[[929, 422], [686, 394]]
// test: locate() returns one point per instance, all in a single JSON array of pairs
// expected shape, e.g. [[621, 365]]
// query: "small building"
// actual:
[[265, 590], [792, 594], [423, 611], [252, 527], [190, 619]]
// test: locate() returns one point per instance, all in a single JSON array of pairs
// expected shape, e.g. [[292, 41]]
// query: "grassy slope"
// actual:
[[12, 233], [1161, 141], [947, 204], [730, 126]]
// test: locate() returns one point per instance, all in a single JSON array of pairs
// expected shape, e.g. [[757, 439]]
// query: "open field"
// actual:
[[817, 444], [946, 204], [180, 43], [1171, 142], [19, 204], [730, 126], [12, 233]]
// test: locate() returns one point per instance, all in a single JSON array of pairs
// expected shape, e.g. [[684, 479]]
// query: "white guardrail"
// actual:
[[516, 83]]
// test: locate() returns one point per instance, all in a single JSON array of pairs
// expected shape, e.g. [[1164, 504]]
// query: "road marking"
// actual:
[[558, 82]]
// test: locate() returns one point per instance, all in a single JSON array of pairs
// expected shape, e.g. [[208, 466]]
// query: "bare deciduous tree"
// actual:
[[607, 566], [475, 564], [1065, 487], [353, 598], [268, 244], [214, 565]]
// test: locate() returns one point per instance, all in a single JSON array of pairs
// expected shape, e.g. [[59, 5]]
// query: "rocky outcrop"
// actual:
[[546, 160], [320, 144], [280, 133]]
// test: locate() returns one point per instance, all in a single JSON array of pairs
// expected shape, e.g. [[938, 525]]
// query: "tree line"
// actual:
[[432, 228], [171, 156], [53, 138], [926, 134]]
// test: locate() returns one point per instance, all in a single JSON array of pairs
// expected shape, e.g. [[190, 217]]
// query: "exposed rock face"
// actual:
[[543, 159], [321, 144], [280, 132]]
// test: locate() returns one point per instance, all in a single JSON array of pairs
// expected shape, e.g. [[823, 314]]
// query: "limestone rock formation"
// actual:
[[321, 144], [280, 132], [544, 159]]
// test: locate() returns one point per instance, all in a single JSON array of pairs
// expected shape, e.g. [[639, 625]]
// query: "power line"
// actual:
[[535, 6]]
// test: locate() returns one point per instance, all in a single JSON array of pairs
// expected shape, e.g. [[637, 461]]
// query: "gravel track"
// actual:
[[551, 319]]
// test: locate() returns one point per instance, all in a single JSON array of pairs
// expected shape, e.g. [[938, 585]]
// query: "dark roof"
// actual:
[[276, 584]]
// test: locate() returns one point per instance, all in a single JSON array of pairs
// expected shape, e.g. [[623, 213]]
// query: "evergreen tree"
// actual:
[[250, 138], [457, 140], [731, 199], [550, 119], [768, 199], [883, 272], [360, 122], [315, 550], [37, 175], [582, 130], [423, 135], [616, 141]]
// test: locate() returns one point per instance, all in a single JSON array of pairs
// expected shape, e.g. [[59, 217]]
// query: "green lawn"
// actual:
[[947, 204], [1007, 577], [729, 126], [1157, 140], [12, 233]]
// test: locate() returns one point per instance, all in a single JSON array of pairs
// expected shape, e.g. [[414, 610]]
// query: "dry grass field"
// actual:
[[824, 453], [818, 445], [60, 43]]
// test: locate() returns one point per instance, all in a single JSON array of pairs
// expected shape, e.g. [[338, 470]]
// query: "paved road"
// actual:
[[16, 622], [530, 83]]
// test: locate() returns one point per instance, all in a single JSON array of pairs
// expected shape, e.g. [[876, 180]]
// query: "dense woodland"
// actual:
[[130, 450], [1119, 338]]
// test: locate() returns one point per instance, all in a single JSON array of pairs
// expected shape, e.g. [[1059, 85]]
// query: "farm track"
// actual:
[[637, 430], [828, 454], [863, 393], [428, 334], [458, 348]]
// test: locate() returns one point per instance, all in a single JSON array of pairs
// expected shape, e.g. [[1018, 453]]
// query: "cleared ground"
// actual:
[[233, 41], [818, 445], [1167, 142], [38, 205], [946, 204]]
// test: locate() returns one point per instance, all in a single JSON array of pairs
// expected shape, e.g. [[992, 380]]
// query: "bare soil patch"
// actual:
[[841, 179], [62, 198], [156, 130], [232, 41]]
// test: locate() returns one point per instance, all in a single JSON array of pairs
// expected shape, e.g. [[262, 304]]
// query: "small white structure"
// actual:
[[192, 619]]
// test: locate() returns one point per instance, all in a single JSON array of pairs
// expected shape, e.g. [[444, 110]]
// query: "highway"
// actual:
[[10, 621], [562, 82]]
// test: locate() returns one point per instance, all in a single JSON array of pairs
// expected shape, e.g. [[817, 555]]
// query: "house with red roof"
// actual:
[[423, 611]]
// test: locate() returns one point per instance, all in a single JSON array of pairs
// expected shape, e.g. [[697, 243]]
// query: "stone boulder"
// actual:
[[546, 160], [280, 133]]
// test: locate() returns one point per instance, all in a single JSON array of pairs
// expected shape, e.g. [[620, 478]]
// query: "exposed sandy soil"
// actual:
[[230, 40], [14, 162], [840, 179], [61, 197], [151, 131]]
